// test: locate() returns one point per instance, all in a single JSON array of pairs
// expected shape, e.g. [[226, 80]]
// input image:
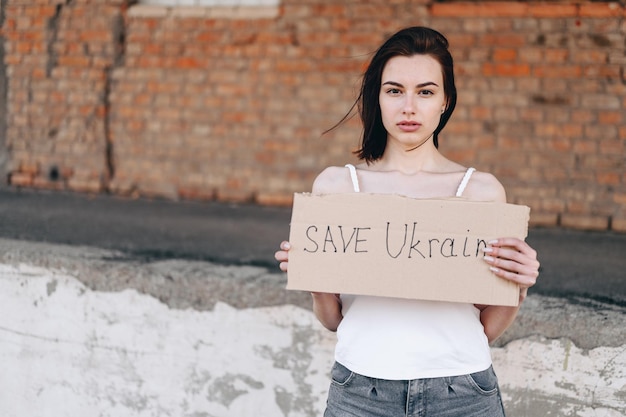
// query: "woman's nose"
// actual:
[[409, 105]]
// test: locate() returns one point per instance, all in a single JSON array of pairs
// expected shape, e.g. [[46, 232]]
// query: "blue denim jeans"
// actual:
[[354, 395]]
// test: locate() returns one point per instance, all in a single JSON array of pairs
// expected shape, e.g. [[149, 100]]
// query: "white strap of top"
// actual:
[[459, 191], [464, 181], [355, 179]]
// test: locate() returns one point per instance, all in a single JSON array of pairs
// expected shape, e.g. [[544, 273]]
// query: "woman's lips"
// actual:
[[409, 126]]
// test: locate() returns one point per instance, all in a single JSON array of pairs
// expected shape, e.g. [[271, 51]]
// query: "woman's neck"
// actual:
[[424, 158]]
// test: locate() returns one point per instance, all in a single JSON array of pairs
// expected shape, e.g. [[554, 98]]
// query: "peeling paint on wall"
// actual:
[[553, 377], [69, 350], [72, 351]]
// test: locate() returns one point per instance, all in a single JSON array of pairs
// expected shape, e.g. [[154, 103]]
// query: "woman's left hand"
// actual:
[[513, 259]]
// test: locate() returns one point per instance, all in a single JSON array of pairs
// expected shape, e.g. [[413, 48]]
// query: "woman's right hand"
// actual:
[[327, 307], [282, 255]]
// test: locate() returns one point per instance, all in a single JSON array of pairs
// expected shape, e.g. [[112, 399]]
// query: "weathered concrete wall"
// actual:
[[70, 349], [554, 377]]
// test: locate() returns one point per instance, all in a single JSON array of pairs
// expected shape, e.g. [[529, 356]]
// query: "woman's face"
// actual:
[[411, 99]]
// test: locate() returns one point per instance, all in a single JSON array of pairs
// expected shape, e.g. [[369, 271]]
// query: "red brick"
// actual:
[[595, 10], [608, 178], [96, 36], [275, 199], [611, 117], [551, 71], [19, 179], [31, 169], [341, 66], [620, 198], [23, 23], [293, 66], [556, 55], [195, 193], [552, 10], [66, 172], [210, 37], [609, 145], [85, 185], [330, 10], [502, 39], [44, 183], [368, 39], [583, 116], [481, 113], [9, 23], [23, 47], [584, 222], [235, 117], [572, 130], [592, 56], [539, 219], [504, 54], [618, 224], [237, 196], [506, 70], [73, 61], [340, 24], [32, 36], [189, 62], [479, 9], [611, 72], [559, 144]]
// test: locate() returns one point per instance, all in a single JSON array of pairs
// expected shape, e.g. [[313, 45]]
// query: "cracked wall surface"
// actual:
[[77, 352], [70, 349], [59, 58]]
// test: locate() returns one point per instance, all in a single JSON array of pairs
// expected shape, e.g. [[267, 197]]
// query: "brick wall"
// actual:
[[57, 57], [230, 104]]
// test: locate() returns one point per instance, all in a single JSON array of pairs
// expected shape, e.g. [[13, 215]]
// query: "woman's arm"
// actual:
[[509, 258], [514, 260], [327, 307]]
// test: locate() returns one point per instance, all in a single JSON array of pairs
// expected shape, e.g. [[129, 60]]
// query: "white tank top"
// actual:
[[399, 339]]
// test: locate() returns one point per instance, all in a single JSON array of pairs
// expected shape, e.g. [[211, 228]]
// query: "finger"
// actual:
[[524, 281], [518, 251], [513, 271], [512, 261], [513, 255], [281, 256], [524, 275], [283, 266], [284, 245], [517, 244]]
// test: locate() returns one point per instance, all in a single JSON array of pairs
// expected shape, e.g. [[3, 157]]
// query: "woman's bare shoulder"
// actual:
[[484, 186], [333, 180]]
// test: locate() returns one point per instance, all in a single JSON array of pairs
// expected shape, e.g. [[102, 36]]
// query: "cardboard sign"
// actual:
[[393, 246]]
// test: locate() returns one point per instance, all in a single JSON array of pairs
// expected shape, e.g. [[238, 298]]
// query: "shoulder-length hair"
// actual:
[[407, 42]]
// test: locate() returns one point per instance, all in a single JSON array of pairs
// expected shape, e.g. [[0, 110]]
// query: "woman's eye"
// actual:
[[394, 91], [426, 93]]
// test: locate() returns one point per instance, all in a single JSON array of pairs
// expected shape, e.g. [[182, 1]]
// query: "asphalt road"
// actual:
[[577, 265]]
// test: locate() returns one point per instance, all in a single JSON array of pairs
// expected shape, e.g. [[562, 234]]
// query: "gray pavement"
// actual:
[[577, 265]]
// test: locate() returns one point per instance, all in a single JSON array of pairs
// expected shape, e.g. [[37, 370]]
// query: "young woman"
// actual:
[[397, 357]]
